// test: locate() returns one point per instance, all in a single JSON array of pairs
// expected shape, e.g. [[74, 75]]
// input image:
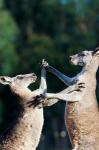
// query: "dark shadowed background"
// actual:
[[53, 29]]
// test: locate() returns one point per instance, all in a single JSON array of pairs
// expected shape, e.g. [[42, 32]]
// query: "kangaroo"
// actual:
[[82, 116], [25, 131]]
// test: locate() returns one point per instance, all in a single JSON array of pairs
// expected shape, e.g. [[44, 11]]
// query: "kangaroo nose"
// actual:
[[70, 57]]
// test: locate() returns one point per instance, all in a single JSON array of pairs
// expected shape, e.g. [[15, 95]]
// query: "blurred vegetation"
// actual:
[[53, 29], [8, 33]]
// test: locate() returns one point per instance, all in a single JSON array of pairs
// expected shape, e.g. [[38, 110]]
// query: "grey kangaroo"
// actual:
[[25, 132], [82, 117]]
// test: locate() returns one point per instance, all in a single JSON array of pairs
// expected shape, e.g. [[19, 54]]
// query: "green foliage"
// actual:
[[8, 33], [39, 46], [1, 4]]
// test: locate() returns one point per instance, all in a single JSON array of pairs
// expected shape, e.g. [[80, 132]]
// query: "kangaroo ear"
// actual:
[[5, 80], [96, 52]]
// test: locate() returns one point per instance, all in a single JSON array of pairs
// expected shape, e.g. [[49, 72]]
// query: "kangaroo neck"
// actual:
[[91, 67]]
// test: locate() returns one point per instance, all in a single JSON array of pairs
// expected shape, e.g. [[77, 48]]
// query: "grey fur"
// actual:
[[82, 117]]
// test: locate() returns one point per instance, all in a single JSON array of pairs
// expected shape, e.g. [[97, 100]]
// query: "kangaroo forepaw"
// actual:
[[44, 63], [37, 101], [77, 87], [80, 86]]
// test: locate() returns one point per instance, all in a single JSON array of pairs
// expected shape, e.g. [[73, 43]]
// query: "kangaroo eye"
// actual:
[[20, 77], [82, 55], [3, 79]]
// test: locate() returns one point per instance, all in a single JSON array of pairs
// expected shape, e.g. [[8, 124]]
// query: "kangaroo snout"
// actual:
[[70, 57]]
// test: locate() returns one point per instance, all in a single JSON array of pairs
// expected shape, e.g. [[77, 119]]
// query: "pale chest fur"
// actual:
[[87, 100], [26, 133], [82, 118]]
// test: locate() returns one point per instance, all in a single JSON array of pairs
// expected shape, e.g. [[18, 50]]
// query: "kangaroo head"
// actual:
[[18, 84], [85, 57]]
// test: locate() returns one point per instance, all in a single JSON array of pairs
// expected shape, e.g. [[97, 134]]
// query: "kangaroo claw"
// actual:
[[36, 101], [77, 87], [44, 63]]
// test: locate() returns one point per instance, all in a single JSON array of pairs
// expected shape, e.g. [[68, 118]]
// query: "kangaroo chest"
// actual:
[[26, 132], [79, 116]]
